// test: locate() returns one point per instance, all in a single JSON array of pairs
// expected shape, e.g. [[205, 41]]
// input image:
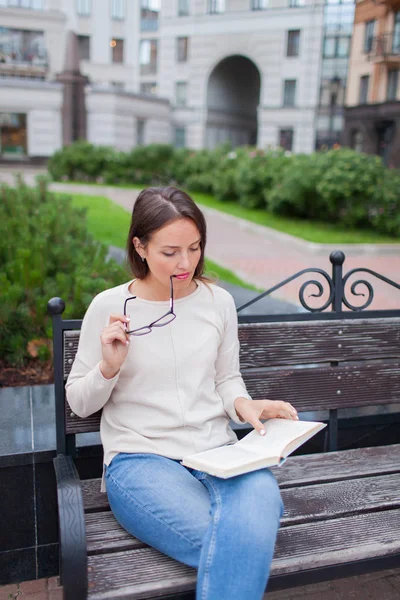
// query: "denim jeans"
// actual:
[[225, 528]]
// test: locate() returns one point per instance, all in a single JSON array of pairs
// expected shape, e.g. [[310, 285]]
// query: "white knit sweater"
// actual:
[[175, 392]]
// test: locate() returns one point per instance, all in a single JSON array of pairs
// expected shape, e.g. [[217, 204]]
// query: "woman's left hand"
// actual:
[[252, 411]]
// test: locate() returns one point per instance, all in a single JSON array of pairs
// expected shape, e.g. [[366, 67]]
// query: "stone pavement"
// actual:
[[264, 257], [382, 585]]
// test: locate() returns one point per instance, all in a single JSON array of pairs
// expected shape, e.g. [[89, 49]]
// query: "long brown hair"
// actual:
[[154, 208]]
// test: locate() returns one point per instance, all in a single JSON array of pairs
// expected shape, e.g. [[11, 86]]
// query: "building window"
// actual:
[[149, 13], [289, 92], [149, 88], [296, 3], [357, 140], [286, 138], [369, 35], [83, 7], [32, 4], [183, 8], [148, 57], [216, 6], [337, 46], [117, 48], [396, 34], [364, 84], [259, 4], [392, 84], [118, 9], [13, 139], [84, 47], [22, 46], [182, 46], [181, 88], [180, 137], [140, 132], [293, 43]]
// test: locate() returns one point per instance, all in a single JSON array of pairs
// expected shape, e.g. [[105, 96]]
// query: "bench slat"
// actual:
[[299, 470], [308, 389], [317, 388], [273, 344], [311, 503], [141, 573]]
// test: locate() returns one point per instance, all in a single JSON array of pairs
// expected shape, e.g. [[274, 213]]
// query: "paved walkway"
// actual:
[[264, 257]]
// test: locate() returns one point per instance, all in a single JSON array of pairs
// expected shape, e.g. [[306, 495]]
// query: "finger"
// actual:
[[116, 317], [258, 426], [112, 336]]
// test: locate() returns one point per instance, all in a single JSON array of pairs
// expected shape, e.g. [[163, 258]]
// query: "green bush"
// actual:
[[81, 161], [45, 251]]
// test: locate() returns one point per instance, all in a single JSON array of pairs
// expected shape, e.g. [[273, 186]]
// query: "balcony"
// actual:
[[385, 49]]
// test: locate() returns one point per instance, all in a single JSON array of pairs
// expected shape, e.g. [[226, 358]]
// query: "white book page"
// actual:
[[278, 434], [227, 457]]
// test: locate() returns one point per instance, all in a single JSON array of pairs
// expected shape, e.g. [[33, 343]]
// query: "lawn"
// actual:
[[109, 223], [311, 231]]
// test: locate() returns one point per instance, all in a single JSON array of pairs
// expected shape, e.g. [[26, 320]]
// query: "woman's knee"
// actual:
[[263, 495]]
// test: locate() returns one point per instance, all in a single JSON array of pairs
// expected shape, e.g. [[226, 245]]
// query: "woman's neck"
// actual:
[[151, 289]]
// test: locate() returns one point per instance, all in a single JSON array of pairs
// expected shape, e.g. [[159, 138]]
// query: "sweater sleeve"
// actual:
[[87, 390], [229, 382]]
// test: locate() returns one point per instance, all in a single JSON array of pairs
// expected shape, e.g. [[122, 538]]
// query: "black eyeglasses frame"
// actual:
[[148, 328]]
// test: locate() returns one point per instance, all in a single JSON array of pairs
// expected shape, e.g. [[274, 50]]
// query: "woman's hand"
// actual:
[[114, 345], [254, 410]]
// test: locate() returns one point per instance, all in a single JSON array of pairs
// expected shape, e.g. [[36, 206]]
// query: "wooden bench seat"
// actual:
[[342, 508]]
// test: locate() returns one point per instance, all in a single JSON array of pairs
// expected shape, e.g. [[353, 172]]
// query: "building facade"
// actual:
[[372, 116], [192, 72]]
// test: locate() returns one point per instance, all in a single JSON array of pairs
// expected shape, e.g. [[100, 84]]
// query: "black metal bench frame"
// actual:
[[72, 531]]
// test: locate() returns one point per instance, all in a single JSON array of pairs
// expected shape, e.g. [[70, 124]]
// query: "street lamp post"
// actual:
[[334, 87]]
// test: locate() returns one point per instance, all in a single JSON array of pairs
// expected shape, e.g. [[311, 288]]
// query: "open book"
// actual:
[[254, 451]]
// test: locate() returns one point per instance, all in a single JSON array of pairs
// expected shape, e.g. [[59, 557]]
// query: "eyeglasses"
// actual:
[[164, 320]]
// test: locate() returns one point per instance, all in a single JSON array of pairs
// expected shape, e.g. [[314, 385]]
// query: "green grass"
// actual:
[[109, 223], [311, 231]]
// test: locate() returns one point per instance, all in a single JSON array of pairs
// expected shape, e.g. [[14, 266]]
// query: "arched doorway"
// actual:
[[233, 94]]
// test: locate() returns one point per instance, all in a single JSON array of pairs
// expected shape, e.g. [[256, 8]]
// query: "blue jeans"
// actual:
[[225, 528]]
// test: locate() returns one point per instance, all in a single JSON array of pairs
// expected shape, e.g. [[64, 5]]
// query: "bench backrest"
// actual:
[[316, 364]]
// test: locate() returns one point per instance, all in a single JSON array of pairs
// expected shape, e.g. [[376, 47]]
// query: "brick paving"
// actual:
[[265, 257]]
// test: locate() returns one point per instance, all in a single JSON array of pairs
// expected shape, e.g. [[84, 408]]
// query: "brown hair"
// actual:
[[154, 208]]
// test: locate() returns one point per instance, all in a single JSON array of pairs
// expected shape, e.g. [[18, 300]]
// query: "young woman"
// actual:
[[160, 355]]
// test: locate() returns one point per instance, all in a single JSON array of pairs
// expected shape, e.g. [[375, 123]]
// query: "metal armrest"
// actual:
[[72, 534]]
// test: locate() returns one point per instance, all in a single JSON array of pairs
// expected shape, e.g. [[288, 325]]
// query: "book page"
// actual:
[[279, 433], [228, 457]]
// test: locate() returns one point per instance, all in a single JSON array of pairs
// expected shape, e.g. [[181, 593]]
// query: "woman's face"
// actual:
[[174, 250]]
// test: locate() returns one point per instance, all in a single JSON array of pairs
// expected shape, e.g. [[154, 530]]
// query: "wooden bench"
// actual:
[[342, 512]]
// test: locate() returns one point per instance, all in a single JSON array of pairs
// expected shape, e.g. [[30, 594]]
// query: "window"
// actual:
[[148, 87], [13, 134], [392, 84], [148, 56], [149, 12], [22, 46], [118, 85], [140, 131], [286, 138], [364, 83], [118, 9], [289, 92], [296, 3], [32, 4], [181, 88], [117, 47], [84, 47], [337, 46], [369, 35], [216, 6], [180, 137], [259, 4], [183, 8], [396, 34], [293, 43], [182, 45], [357, 140], [83, 7]]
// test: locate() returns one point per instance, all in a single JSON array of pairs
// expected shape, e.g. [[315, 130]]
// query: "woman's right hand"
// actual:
[[114, 345]]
